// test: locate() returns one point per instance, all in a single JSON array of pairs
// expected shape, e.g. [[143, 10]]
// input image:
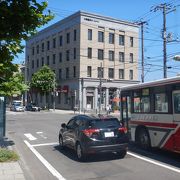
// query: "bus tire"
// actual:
[[143, 139]]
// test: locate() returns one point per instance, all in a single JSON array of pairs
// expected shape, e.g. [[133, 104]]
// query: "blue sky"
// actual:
[[132, 10]]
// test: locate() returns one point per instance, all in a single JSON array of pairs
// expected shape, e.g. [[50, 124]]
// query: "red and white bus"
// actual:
[[151, 111]]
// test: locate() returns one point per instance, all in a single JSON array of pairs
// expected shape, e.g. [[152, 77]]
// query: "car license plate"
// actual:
[[109, 134]]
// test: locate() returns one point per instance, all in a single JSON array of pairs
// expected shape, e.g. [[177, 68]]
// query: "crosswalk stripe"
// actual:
[[30, 136]]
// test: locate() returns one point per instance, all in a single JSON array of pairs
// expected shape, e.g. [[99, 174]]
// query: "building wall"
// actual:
[[83, 88], [110, 27]]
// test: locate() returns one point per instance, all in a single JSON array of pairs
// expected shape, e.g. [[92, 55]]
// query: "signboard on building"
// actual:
[[2, 116]]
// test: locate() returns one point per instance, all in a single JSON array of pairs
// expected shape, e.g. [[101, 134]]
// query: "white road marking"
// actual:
[[45, 144], [45, 162], [41, 134], [30, 136], [154, 162]]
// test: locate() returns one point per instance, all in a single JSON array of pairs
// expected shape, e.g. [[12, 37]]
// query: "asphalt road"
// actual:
[[35, 135]]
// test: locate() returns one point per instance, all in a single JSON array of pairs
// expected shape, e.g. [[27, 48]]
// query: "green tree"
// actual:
[[15, 86], [43, 80], [19, 20]]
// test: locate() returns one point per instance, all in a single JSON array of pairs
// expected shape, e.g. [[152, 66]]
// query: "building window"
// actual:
[[131, 42], [37, 49], [48, 45], [68, 38], [121, 40], [100, 73], [32, 64], [37, 63], [42, 61], [33, 51], [131, 74], [47, 60], [59, 98], [90, 34], [60, 73], [121, 56], [100, 54], [100, 36], [74, 71], [67, 73], [60, 40], [89, 53], [27, 72], [60, 57], [121, 73], [89, 71], [75, 34], [131, 57], [111, 38], [74, 54], [65, 98], [42, 47], [54, 43], [54, 58], [111, 55], [40, 98], [67, 55], [111, 73]]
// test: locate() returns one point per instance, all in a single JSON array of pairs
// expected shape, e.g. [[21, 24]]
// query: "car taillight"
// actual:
[[123, 130], [90, 132]]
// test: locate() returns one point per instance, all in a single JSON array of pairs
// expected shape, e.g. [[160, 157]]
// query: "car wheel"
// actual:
[[143, 139], [122, 154], [61, 145], [79, 152]]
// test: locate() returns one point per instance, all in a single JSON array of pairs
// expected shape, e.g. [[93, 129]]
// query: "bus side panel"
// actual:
[[173, 143], [159, 126], [177, 140]]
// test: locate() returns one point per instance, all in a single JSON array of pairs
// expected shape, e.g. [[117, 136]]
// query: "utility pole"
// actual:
[[54, 92], [141, 23], [100, 89], [164, 41], [166, 8]]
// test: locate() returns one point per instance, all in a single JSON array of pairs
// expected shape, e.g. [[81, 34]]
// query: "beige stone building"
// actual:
[[90, 54]]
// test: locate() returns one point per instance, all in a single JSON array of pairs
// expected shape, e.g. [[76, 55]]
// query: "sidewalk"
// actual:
[[10, 170], [58, 111]]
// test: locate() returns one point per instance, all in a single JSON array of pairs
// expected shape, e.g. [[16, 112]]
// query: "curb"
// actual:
[[10, 170]]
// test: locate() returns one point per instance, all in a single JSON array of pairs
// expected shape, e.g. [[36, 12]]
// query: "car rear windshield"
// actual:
[[104, 123]]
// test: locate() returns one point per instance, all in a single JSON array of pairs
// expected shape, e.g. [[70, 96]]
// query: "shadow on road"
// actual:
[[160, 155], [90, 158], [5, 142]]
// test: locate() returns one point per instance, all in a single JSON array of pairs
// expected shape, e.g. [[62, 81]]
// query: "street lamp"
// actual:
[[176, 57]]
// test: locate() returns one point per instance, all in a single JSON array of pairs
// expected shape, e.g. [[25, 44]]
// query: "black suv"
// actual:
[[32, 107], [91, 134]]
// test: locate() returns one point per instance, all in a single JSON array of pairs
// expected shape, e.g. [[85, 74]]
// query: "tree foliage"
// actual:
[[15, 86], [18, 21], [43, 80]]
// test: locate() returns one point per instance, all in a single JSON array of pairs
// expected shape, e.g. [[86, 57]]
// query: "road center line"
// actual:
[[45, 144], [30, 137], [45, 162], [154, 162]]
